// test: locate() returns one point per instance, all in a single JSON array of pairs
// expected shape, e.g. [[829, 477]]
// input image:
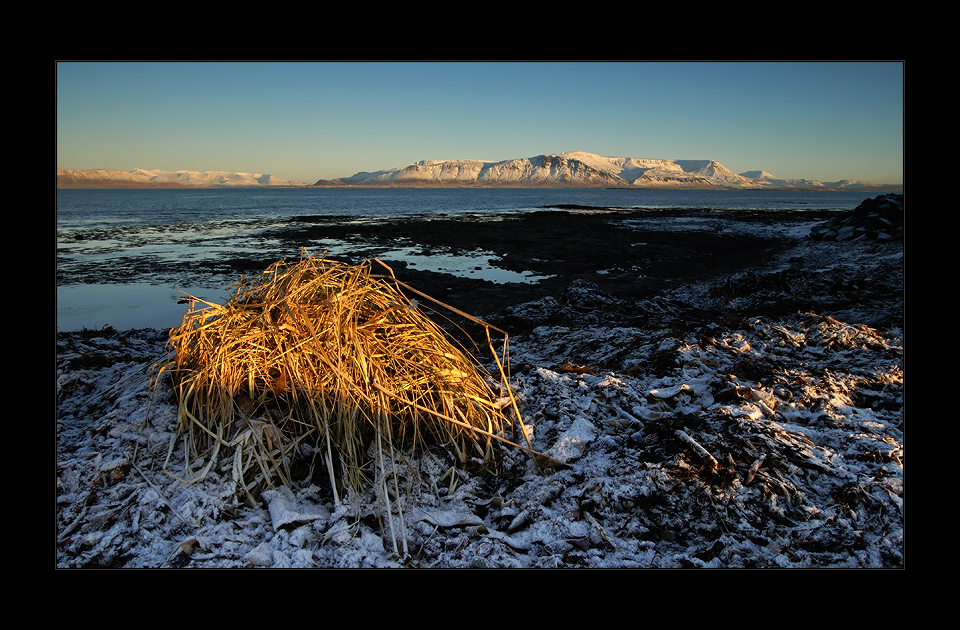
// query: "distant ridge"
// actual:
[[140, 178], [578, 169]]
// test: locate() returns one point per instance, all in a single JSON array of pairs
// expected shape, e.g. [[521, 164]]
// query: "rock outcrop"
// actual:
[[879, 219]]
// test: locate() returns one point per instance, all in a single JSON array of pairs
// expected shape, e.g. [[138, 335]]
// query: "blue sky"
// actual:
[[305, 121]]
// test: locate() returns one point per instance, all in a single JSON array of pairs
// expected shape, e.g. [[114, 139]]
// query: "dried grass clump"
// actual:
[[318, 356]]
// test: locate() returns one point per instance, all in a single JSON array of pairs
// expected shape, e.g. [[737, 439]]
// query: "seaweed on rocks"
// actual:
[[751, 417]]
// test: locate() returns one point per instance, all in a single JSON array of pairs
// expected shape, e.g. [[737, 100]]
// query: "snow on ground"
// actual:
[[756, 441]]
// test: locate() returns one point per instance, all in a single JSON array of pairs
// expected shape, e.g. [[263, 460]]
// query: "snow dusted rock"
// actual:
[[879, 219], [584, 296], [573, 442], [260, 556], [581, 301], [286, 511], [447, 518], [752, 420]]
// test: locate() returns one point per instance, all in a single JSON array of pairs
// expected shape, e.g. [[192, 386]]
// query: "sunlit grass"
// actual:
[[317, 355]]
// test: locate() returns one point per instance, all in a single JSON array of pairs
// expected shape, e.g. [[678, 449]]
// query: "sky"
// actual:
[[305, 121]]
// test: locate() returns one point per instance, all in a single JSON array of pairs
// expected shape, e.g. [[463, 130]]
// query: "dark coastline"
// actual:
[[631, 254], [708, 389]]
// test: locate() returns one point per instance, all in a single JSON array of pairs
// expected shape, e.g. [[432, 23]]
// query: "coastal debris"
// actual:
[[318, 356], [708, 459], [568, 367]]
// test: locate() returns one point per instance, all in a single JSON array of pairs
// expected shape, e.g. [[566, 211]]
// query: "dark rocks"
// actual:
[[877, 219]]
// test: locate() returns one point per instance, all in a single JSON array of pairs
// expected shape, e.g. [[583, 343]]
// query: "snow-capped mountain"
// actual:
[[581, 169], [574, 169], [216, 178], [141, 178]]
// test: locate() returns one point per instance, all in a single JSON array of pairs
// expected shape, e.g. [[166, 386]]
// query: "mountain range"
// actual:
[[574, 169]]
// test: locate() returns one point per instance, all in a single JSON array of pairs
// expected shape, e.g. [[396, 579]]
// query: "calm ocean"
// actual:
[[108, 228]]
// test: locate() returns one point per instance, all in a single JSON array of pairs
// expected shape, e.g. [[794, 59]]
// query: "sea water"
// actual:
[[108, 228]]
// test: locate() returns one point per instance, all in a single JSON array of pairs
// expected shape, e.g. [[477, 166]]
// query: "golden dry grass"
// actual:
[[321, 356]]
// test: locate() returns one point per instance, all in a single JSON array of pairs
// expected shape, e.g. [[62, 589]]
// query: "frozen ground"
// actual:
[[753, 420]]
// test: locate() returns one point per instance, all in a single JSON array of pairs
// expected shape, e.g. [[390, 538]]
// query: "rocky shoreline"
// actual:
[[727, 394]]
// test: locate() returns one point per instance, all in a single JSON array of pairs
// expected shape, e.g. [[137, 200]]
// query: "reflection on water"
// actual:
[[126, 306], [121, 254], [141, 305], [479, 266]]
